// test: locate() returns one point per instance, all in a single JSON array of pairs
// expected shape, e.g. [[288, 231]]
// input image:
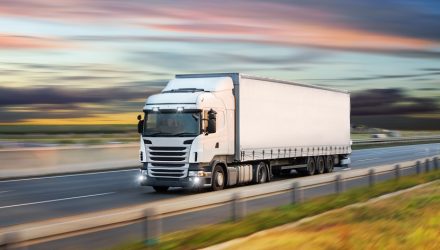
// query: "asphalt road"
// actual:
[[34, 199], [43, 198]]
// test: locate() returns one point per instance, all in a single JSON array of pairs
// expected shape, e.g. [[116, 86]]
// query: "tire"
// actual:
[[311, 167], [161, 189], [320, 165], [261, 173], [218, 178], [329, 164]]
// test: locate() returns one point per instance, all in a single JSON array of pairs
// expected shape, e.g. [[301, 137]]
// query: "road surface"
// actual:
[[34, 199]]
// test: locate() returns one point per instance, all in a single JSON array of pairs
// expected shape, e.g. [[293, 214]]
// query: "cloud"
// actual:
[[409, 30], [60, 95], [392, 101], [28, 42], [417, 19], [234, 61], [384, 77]]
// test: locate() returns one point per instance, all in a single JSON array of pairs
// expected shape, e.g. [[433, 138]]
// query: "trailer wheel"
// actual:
[[329, 164], [320, 165], [261, 173], [311, 166], [160, 189], [219, 178]]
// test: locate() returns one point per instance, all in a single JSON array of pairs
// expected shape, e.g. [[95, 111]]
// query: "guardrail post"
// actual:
[[297, 193], [339, 184], [8, 241], [427, 168], [371, 177], [418, 167], [152, 227], [238, 207], [397, 171], [436, 163]]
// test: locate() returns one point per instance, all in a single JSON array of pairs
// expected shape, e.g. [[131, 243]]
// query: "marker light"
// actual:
[[155, 109], [179, 109]]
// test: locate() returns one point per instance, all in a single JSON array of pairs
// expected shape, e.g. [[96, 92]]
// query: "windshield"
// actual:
[[172, 123]]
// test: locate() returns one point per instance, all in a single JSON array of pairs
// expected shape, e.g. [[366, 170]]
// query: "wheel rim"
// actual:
[[219, 179]]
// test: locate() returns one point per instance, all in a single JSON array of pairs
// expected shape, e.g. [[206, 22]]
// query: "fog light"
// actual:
[[196, 180], [142, 178]]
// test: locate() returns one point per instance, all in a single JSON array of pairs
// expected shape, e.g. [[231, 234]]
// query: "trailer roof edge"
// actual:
[[235, 74]]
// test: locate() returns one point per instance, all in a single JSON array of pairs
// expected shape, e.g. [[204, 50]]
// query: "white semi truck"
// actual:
[[226, 129]]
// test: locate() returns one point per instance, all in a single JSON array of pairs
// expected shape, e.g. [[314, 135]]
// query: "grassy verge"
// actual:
[[407, 221], [214, 234]]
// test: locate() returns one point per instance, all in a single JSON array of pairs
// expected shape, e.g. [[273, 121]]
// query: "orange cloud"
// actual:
[[27, 42]]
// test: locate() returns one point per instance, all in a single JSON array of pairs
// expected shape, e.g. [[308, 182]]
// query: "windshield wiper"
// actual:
[[183, 133], [157, 133]]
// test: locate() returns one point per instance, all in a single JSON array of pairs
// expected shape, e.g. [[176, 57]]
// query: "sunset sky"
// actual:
[[95, 61]]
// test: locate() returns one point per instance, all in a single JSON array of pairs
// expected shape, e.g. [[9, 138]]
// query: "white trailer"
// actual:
[[226, 129]]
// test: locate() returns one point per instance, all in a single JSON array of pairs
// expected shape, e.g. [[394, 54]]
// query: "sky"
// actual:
[[96, 61]]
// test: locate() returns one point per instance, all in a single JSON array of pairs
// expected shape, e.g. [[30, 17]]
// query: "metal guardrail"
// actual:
[[395, 140], [152, 213]]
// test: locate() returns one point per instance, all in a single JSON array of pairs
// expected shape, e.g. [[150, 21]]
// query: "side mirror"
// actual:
[[140, 124], [212, 121]]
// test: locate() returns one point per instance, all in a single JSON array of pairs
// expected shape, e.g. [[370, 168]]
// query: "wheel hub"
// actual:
[[220, 179]]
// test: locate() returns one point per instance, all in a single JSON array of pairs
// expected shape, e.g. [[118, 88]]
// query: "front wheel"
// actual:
[[160, 189], [218, 180]]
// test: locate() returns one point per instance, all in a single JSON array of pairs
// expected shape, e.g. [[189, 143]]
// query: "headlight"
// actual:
[[196, 173]]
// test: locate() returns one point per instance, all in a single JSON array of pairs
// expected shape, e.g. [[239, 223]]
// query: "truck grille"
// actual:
[[167, 162]]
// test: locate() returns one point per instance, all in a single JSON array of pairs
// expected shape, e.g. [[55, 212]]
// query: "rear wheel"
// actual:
[[161, 189], [261, 173], [311, 167], [219, 178], [329, 164], [320, 165]]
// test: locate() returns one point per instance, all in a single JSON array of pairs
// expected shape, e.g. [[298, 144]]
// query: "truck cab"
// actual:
[[186, 126]]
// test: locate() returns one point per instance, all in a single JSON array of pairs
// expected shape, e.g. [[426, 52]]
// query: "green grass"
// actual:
[[408, 221], [214, 234]]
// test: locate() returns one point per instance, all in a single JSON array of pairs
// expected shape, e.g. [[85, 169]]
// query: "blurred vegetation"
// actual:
[[49, 135], [214, 234], [43, 135], [66, 129], [408, 221]]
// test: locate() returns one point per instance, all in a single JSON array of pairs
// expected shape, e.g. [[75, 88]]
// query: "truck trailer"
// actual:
[[226, 129]]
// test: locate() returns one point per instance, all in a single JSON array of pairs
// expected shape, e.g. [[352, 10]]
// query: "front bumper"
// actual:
[[193, 181], [200, 177]]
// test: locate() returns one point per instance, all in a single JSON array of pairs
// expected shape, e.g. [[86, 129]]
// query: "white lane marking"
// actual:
[[69, 175], [55, 200], [2, 192], [368, 159]]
